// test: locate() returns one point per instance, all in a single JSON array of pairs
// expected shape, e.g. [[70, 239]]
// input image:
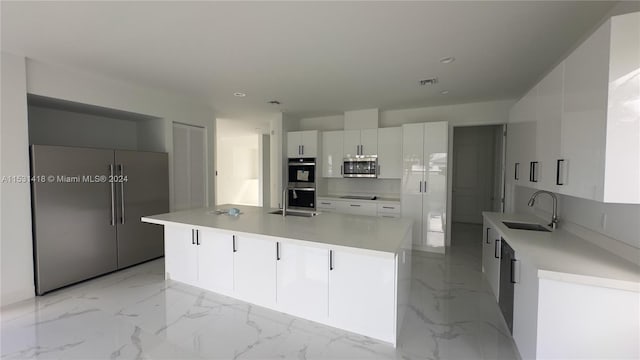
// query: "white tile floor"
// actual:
[[136, 314]]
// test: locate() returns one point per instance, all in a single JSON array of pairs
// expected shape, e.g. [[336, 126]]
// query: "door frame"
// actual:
[[450, 176]]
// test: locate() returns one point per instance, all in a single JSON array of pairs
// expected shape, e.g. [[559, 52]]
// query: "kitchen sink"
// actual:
[[525, 226], [295, 213]]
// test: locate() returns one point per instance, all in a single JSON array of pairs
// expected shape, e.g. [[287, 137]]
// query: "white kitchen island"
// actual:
[[347, 271]]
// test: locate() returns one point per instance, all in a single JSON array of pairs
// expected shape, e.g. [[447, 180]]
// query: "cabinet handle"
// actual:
[[513, 271], [420, 186], [113, 196], [341, 171], [121, 167], [388, 216], [388, 207], [355, 205], [330, 259], [425, 186], [325, 203], [516, 174], [234, 244], [193, 237], [198, 237], [558, 163], [302, 147], [495, 249], [277, 250], [533, 171], [487, 240]]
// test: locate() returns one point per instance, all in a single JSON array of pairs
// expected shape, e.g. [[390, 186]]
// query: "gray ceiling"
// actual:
[[316, 58]]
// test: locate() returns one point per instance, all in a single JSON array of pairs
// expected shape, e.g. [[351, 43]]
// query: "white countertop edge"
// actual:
[[377, 253], [589, 280], [558, 275]]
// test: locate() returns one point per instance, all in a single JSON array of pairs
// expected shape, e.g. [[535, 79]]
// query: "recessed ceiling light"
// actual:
[[447, 60], [444, 92], [239, 94]]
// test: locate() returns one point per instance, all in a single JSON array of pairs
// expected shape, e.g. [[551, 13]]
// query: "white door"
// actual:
[[215, 261], [309, 143], [434, 211], [390, 153], [413, 176], [303, 281], [351, 143], [361, 294], [294, 144], [254, 269], [189, 167], [473, 174], [369, 142], [180, 255], [332, 154]]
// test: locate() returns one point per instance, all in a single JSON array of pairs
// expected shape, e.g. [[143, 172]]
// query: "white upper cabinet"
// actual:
[[332, 153], [351, 143], [390, 153], [586, 140], [548, 128], [302, 143], [360, 142]]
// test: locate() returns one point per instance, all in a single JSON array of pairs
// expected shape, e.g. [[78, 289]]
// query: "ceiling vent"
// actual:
[[274, 102], [428, 82]]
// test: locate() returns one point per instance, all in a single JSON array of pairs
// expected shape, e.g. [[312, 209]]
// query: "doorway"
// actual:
[[478, 153], [242, 162]]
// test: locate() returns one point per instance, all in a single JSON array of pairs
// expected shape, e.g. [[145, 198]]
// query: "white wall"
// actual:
[[64, 83], [59, 127], [16, 264], [238, 165], [323, 123]]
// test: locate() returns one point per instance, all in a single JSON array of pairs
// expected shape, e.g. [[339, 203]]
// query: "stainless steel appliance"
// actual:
[[507, 281], [86, 207], [301, 188], [360, 167]]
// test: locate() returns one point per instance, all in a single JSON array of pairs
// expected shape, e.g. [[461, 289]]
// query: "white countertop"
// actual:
[[378, 200], [560, 255], [380, 236]]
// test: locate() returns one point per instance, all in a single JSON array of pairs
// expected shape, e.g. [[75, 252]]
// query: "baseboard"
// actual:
[[9, 298]]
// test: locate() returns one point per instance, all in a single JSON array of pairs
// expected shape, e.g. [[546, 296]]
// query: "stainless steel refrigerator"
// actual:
[[84, 226]]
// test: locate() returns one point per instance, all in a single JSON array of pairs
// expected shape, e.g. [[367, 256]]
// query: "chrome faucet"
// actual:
[[284, 201], [554, 216]]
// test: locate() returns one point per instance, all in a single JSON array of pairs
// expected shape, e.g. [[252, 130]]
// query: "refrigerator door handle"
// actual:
[[121, 179], [113, 195]]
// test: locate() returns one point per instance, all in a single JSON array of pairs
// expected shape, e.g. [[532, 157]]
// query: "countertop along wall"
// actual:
[[21, 76]]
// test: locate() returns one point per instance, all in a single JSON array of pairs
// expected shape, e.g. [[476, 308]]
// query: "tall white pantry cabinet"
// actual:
[[424, 182]]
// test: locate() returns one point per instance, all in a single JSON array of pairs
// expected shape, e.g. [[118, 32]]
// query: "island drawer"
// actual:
[[389, 208]]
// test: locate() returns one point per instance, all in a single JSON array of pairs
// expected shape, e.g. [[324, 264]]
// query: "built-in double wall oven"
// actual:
[[301, 189]]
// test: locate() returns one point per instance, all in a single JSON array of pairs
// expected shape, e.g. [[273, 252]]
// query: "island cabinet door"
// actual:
[[303, 281], [254, 268], [180, 255], [215, 261], [362, 293]]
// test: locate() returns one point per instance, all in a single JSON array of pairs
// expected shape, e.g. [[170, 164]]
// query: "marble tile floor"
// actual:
[[136, 314]]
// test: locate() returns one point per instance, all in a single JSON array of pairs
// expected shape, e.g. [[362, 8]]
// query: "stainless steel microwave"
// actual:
[[360, 167]]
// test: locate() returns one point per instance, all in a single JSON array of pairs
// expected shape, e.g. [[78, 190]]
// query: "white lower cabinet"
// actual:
[[491, 259], [180, 255], [303, 281], [254, 270], [348, 290], [215, 261], [361, 294]]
